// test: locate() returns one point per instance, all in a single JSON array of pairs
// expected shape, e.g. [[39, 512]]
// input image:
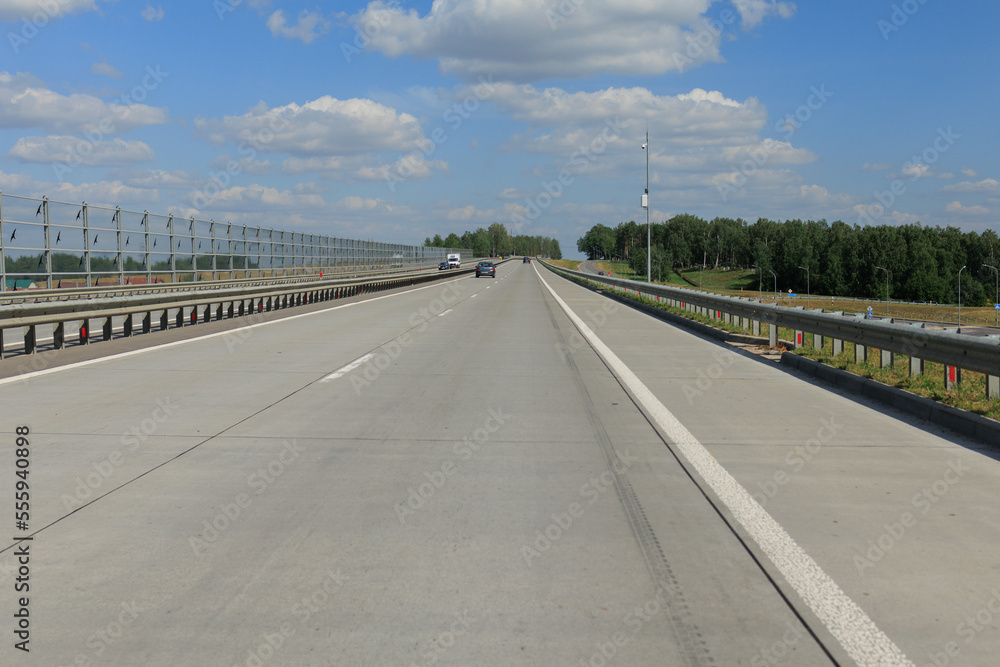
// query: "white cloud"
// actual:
[[244, 165], [754, 11], [988, 185], [969, 172], [101, 193], [870, 166], [310, 26], [323, 127], [25, 102], [957, 208], [151, 13], [104, 69], [74, 150], [527, 40], [14, 10]]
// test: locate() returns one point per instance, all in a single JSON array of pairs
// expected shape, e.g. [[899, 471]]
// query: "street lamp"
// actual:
[[996, 304], [807, 285], [886, 289], [760, 283], [775, 287], [645, 205], [960, 298]]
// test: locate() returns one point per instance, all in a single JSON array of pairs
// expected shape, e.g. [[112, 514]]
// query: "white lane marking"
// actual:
[[344, 370], [132, 353], [852, 627], [473, 296], [444, 313]]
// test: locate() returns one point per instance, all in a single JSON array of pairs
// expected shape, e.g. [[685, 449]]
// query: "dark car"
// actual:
[[442, 266], [526, 260], [486, 269]]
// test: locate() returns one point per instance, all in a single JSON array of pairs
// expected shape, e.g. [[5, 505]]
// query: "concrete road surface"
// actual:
[[509, 471]]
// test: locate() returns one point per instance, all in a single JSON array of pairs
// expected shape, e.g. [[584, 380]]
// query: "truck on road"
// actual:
[[454, 260]]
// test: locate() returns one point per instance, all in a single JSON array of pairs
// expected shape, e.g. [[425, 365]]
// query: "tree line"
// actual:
[[837, 259], [497, 242]]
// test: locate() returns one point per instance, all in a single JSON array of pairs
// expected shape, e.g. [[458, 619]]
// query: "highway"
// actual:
[[509, 471]]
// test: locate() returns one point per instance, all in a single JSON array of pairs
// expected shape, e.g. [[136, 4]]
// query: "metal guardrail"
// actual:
[[949, 347], [191, 305]]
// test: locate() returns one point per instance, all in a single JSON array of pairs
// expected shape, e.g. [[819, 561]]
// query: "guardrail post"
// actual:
[[128, 325], [84, 334], [1, 344], [860, 353], [756, 327], [800, 339], [916, 367], [147, 322], [58, 336], [29, 339], [838, 347], [107, 328], [992, 387], [887, 359], [164, 320], [179, 320], [818, 342], [772, 334]]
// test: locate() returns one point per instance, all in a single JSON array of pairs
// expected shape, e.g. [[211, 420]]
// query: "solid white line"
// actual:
[[344, 370], [229, 332], [852, 627], [444, 313]]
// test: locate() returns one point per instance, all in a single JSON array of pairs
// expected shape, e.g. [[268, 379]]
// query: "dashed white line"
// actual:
[[852, 627], [444, 313], [344, 370]]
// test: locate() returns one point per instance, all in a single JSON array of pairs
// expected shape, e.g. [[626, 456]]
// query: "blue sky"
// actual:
[[397, 120]]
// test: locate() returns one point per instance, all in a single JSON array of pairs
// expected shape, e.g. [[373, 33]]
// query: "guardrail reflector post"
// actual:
[[194, 315], [799, 339], [84, 336], [952, 376]]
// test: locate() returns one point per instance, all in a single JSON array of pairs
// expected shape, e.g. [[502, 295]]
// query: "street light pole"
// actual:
[[960, 298], [997, 302], [645, 205], [760, 283], [807, 285], [775, 287], [886, 289]]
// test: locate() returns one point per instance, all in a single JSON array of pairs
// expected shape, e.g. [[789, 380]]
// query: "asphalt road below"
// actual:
[[454, 475]]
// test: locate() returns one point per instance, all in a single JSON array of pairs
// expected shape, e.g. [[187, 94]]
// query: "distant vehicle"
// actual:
[[526, 260], [442, 265], [454, 260], [486, 269]]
